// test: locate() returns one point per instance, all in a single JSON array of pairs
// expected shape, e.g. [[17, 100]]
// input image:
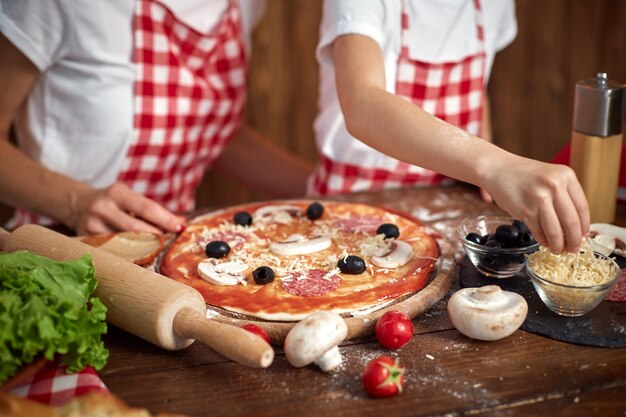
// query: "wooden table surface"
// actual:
[[446, 372]]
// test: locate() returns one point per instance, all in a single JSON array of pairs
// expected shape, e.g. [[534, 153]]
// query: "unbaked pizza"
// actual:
[[284, 260]]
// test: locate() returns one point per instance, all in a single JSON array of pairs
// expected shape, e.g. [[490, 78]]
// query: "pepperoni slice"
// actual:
[[357, 223], [618, 292], [311, 283]]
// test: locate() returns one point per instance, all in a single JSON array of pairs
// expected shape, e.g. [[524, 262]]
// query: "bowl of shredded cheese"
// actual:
[[572, 284]]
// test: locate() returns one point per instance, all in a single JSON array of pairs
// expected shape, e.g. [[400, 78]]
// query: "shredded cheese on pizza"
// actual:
[[375, 246]]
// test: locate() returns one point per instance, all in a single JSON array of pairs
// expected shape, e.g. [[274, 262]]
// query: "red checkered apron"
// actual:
[[189, 102], [451, 91]]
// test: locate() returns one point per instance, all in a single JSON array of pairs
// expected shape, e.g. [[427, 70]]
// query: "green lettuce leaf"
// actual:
[[46, 309]]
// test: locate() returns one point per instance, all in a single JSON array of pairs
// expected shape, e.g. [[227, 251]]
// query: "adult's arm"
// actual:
[[547, 197], [264, 166], [27, 184]]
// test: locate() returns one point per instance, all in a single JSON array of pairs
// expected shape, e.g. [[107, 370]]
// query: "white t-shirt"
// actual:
[[444, 31], [78, 118]]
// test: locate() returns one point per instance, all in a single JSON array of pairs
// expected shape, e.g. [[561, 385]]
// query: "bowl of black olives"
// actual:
[[496, 245]]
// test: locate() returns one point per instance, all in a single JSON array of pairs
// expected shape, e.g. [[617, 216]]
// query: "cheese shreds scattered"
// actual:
[[335, 271], [330, 261], [375, 246], [324, 228], [583, 269]]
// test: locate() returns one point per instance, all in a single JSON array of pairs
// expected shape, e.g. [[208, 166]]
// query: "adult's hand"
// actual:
[[547, 197], [117, 208]]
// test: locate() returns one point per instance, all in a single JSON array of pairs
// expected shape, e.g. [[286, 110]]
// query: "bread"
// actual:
[[140, 248], [12, 406], [93, 404]]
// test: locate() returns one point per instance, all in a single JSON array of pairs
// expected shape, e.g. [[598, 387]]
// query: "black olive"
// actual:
[[493, 243], [507, 234], [242, 218], [217, 249], [475, 237], [488, 260], [263, 275], [351, 264], [527, 239], [390, 230], [521, 226], [314, 211]]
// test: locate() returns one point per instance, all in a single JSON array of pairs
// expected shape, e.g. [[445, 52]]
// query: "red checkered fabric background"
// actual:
[[452, 91], [189, 102], [52, 385]]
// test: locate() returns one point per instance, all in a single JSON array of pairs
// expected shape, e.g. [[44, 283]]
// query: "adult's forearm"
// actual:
[[26, 184], [264, 166]]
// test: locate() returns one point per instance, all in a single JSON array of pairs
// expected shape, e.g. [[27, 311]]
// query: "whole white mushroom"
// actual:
[[315, 340], [487, 313]]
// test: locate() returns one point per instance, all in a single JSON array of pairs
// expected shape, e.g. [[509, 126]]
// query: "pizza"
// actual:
[[283, 260]]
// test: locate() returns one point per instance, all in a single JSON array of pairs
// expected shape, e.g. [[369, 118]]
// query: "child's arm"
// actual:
[[547, 197]]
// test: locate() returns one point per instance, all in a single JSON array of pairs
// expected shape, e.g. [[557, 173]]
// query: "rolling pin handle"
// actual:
[[232, 342]]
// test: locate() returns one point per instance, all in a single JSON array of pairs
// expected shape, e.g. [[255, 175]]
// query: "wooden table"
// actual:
[[446, 372]]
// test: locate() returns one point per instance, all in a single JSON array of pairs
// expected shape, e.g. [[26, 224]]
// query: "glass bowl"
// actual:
[[494, 262], [569, 300]]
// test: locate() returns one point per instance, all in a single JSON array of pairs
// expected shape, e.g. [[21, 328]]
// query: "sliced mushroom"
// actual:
[[487, 313], [315, 340], [281, 213], [300, 245], [401, 253], [224, 273], [608, 238]]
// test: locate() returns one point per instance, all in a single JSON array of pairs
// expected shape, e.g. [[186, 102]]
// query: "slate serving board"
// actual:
[[604, 326]]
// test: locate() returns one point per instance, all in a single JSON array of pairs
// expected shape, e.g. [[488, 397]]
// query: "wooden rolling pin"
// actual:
[[158, 309]]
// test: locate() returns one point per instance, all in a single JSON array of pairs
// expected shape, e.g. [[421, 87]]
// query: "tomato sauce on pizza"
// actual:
[[282, 260]]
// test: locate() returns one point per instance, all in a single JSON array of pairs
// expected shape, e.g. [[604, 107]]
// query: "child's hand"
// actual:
[[547, 197], [486, 197]]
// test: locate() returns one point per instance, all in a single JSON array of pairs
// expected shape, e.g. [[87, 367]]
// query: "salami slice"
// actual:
[[356, 224], [234, 239], [311, 283], [618, 292]]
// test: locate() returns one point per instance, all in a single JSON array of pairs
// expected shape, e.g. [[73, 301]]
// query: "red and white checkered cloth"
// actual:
[[52, 385], [189, 101], [451, 91]]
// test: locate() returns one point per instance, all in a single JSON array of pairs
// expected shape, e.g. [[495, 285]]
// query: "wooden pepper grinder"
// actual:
[[597, 143]]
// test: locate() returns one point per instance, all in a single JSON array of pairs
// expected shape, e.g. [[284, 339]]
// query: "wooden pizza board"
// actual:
[[359, 326]]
